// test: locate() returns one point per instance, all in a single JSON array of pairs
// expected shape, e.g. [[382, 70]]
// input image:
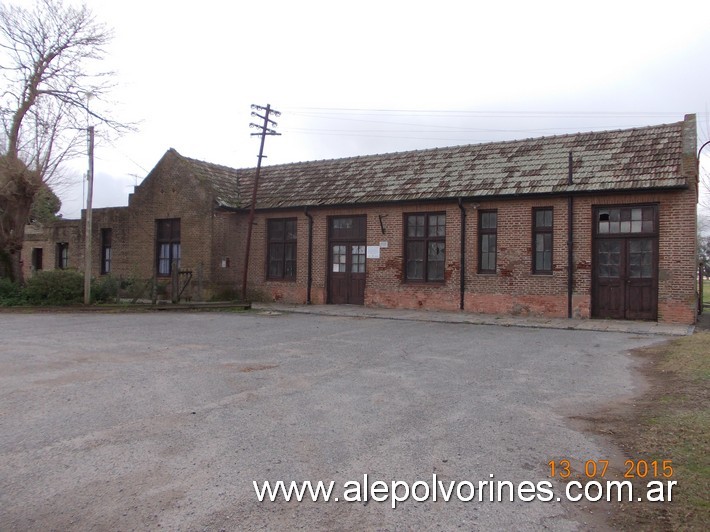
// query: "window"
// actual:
[[281, 251], [62, 255], [641, 258], [348, 228], [615, 220], [167, 244], [37, 259], [487, 241], [106, 238], [358, 258], [340, 258], [542, 240], [425, 246]]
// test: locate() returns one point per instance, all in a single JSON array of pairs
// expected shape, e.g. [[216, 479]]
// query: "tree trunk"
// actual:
[[18, 187]]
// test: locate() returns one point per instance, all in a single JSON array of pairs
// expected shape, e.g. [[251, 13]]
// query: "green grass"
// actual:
[[688, 360], [675, 425]]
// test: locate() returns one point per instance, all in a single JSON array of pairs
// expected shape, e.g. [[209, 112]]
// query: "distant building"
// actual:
[[589, 225]]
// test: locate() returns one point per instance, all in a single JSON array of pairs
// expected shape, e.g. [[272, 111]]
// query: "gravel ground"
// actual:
[[163, 421]]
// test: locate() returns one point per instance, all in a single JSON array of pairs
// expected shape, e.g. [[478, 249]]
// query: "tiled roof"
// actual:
[[223, 180], [629, 159]]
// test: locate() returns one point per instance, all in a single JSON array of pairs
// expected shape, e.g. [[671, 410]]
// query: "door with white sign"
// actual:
[[346, 260]]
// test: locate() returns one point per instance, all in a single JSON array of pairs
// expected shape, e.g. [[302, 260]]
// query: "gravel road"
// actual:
[[164, 420]]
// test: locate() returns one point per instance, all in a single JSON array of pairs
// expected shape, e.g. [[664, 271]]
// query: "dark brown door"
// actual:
[[625, 264], [610, 293], [346, 260], [641, 291]]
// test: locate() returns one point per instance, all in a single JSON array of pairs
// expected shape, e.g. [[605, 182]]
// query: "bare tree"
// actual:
[[46, 56]]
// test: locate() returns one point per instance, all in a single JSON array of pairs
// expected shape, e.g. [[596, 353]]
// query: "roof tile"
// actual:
[[613, 160]]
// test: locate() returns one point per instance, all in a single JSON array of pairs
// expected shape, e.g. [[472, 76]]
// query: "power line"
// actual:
[[421, 119], [488, 113], [450, 130]]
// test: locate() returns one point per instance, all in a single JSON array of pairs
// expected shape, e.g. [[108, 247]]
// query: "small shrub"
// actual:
[[133, 288], [226, 294], [10, 293], [104, 289], [161, 289], [55, 287]]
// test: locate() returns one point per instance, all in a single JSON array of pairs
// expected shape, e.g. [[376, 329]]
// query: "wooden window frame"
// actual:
[[285, 273], [62, 255], [540, 231], [627, 224], [426, 240], [167, 233], [487, 232], [106, 250]]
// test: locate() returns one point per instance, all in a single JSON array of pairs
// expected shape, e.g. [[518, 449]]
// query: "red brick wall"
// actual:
[[209, 238], [229, 230], [677, 252], [514, 288], [213, 242]]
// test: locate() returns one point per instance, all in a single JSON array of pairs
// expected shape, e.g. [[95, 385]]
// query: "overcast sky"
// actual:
[[355, 78]]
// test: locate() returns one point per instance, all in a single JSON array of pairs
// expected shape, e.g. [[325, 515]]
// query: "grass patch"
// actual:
[[670, 422]]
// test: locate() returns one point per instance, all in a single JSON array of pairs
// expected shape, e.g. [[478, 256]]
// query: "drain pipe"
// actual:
[[462, 267], [570, 240], [310, 255]]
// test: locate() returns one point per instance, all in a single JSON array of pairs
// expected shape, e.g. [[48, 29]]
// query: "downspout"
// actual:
[[462, 268], [310, 255], [570, 240]]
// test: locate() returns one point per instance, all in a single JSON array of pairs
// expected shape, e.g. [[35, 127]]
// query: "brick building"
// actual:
[[599, 225]]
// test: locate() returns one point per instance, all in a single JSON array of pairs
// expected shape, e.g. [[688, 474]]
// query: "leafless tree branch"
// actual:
[[49, 51], [51, 91]]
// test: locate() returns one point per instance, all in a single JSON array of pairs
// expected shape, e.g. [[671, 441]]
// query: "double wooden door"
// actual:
[[625, 282], [347, 246]]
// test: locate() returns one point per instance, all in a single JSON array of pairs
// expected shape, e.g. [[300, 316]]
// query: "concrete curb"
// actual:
[[633, 327]]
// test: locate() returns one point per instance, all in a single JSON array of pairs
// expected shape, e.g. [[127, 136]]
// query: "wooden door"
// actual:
[[346, 260], [625, 281], [609, 293], [641, 279]]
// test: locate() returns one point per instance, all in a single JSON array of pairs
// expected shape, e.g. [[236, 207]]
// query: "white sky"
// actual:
[[461, 72]]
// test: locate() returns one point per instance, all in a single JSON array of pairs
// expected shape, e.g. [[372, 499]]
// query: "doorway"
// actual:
[[625, 270], [347, 245]]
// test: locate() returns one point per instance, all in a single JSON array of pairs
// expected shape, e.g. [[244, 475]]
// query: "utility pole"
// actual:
[[265, 130], [87, 238]]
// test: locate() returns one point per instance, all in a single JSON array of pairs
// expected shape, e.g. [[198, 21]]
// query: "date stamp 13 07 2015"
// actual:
[[656, 473]]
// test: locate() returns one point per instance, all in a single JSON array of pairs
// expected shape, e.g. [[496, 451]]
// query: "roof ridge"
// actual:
[[405, 153], [200, 161]]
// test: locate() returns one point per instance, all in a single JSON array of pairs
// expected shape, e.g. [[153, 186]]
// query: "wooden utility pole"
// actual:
[[87, 238], [265, 130]]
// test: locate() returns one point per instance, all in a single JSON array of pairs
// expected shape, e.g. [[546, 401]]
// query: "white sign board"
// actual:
[[373, 252]]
